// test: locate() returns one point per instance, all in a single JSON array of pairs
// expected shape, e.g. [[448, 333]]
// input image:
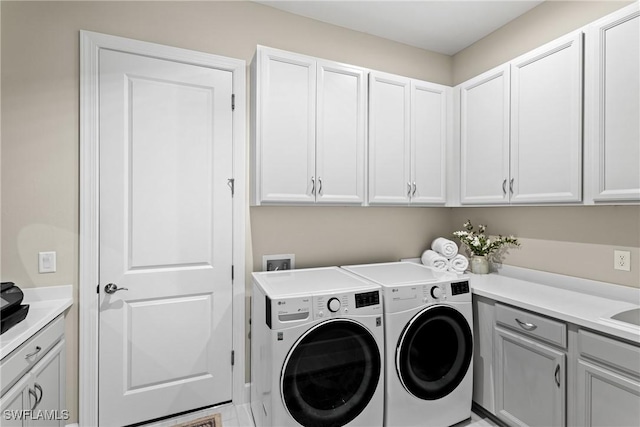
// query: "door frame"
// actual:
[[90, 45]]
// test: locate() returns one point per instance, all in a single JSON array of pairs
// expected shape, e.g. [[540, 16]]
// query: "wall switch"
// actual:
[[46, 262], [622, 260], [278, 262]]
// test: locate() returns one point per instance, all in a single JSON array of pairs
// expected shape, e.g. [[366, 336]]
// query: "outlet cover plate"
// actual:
[[280, 260], [622, 260]]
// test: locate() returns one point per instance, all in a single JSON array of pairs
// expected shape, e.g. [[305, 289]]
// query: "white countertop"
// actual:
[[45, 304], [582, 302]]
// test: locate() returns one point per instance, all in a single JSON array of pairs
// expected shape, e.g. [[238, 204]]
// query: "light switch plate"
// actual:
[[46, 262]]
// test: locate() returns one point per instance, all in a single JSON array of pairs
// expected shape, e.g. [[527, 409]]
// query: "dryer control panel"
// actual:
[[352, 303]]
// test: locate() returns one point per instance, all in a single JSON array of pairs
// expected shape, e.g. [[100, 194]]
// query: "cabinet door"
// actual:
[[612, 106], [429, 135], [605, 398], [341, 134], [530, 381], [546, 123], [49, 384], [484, 138], [389, 142], [285, 128], [16, 402]]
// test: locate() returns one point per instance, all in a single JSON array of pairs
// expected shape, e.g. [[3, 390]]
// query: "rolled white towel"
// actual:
[[445, 247], [458, 264], [435, 260]]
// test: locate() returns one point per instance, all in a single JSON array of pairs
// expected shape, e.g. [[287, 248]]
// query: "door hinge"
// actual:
[[231, 182], [233, 357], [233, 102]]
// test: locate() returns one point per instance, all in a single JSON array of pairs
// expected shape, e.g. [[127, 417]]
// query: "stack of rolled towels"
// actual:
[[444, 256]]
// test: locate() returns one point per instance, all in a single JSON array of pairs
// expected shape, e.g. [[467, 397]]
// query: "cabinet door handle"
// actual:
[[557, 375], [35, 396], [408, 189], [38, 348], [511, 185], [320, 186], [313, 185], [525, 325], [39, 399], [415, 187], [504, 187]]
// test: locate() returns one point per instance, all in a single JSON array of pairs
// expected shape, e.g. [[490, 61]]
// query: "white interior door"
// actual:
[[165, 237]]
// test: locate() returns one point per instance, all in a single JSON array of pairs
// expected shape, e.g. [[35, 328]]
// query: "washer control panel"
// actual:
[[405, 297]]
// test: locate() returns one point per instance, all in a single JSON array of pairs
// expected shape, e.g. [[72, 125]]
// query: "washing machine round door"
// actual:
[[331, 373], [434, 352]]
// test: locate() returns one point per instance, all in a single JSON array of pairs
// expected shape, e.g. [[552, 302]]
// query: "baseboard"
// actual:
[[485, 413]]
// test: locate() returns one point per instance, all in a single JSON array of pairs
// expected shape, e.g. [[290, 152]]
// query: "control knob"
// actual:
[[333, 305], [436, 292]]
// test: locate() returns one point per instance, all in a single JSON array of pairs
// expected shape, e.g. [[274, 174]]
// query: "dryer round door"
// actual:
[[331, 373], [434, 352]]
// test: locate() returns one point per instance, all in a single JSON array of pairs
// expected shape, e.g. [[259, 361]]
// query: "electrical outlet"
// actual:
[[622, 260], [278, 262]]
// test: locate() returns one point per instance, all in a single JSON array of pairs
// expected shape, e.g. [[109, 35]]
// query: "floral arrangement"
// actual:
[[478, 243]]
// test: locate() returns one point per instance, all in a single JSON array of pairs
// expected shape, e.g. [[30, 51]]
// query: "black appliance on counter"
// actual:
[[12, 311]]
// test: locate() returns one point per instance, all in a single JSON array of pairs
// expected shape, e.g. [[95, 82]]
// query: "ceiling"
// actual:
[[444, 26]]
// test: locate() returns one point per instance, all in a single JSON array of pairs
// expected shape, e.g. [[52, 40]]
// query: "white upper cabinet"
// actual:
[[430, 133], [310, 130], [389, 139], [546, 123], [484, 138], [285, 133], [612, 107], [341, 134], [521, 129], [408, 133]]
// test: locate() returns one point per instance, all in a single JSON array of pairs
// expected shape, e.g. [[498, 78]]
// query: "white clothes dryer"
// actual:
[[428, 341], [317, 349]]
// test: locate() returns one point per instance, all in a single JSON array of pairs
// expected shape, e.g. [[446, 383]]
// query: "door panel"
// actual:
[[389, 140], [341, 133], [530, 382], [546, 123], [287, 127], [612, 107], [165, 236], [428, 142], [484, 138], [172, 152]]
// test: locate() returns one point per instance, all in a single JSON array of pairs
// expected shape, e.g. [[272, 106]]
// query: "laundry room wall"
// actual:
[[577, 241], [40, 132]]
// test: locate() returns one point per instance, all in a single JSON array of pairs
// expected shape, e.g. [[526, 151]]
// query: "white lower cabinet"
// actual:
[[608, 382], [37, 371], [530, 381], [534, 370], [16, 401]]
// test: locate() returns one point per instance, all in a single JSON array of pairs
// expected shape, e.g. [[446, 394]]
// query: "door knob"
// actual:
[[112, 288]]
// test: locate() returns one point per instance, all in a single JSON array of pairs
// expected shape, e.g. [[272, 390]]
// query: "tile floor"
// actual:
[[240, 416]]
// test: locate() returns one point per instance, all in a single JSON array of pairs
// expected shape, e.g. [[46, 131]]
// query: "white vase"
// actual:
[[479, 264]]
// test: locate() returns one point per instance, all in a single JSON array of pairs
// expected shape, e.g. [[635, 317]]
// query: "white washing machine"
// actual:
[[429, 343], [317, 349]]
